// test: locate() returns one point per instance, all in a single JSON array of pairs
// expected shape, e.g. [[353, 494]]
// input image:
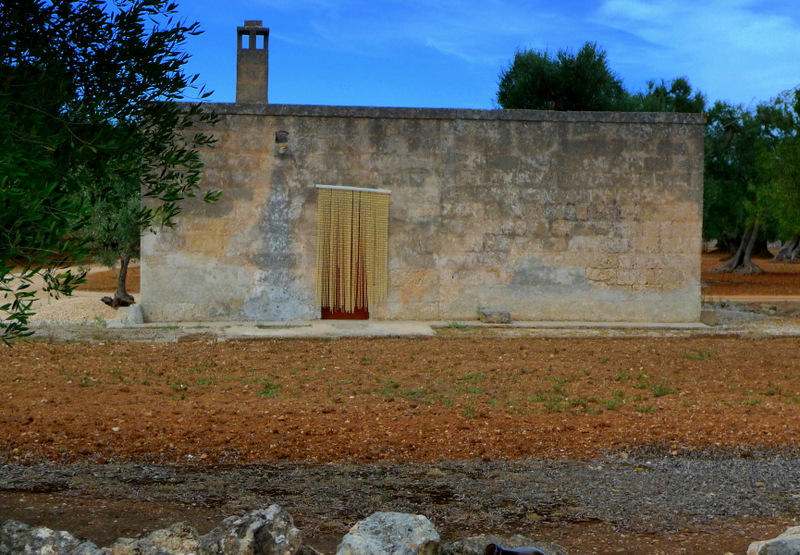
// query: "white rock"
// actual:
[[395, 533]]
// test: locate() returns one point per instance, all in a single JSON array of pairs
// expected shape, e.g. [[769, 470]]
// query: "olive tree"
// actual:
[[536, 80], [88, 101]]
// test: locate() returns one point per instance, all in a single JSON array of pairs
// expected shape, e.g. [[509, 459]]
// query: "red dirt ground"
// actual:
[[403, 400], [779, 278], [394, 399]]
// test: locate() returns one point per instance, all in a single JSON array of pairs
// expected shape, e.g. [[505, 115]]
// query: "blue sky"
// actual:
[[449, 53]]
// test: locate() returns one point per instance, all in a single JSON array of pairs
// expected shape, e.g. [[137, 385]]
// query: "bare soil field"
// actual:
[[648, 444]]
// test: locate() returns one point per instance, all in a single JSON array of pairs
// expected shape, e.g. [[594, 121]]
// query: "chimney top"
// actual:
[[252, 62]]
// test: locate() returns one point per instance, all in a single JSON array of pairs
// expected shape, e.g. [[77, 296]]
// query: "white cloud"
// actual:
[[732, 49]]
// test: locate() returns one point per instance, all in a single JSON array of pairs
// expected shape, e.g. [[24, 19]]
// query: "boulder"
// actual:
[[269, 531], [396, 533], [17, 537], [178, 539], [476, 545], [787, 543], [266, 532]]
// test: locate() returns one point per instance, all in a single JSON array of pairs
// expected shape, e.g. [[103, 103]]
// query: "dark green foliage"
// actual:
[[584, 82], [730, 169], [87, 105], [538, 81], [752, 171], [675, 96], [780, 163]]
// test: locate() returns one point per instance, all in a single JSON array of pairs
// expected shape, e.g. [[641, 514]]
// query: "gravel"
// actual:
[[646, 492]]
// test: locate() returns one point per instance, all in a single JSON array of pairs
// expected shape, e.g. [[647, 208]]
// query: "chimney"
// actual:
[[252, 63]]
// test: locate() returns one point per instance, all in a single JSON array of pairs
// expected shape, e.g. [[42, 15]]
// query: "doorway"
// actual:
[[352, 245]]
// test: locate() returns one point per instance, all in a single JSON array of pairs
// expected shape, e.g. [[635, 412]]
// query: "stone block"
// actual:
[[494, 316], [709, 317]]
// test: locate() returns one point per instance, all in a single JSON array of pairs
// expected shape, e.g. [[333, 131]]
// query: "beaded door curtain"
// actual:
[[352, 247]]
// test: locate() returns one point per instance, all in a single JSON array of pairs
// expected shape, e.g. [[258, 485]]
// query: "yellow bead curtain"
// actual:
[[352, 237]]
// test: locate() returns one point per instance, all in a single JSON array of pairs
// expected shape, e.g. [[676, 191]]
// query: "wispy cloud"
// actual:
[[742, 49]]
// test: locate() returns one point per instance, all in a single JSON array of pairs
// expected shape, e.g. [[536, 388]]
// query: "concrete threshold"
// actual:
[[289, 329], [602, 325], [381, 328]]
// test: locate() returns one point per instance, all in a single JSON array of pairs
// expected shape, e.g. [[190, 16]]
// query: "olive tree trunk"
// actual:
[[789, 251], [741, 262], [121, 297]]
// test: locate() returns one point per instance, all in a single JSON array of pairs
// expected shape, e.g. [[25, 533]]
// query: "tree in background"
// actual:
[[585, 82], [781, 166], [730, 170], [114, 229], [675, 96], [87, 109], [538, 81], [751, 168]]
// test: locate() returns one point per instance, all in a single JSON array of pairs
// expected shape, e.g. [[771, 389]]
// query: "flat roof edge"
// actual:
[[297, 110]]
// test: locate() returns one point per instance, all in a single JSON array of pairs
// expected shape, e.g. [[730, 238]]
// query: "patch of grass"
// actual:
[[579, 402], [83, 381], [772, 390], [753, 402], [472, 378], [698, 354], [422, 395], [200, 368], [661, 389], [268, 388], [389, 388], [469, 411], [556, 403], [180, 385], [645, 408], [311, 365], [562, 391], [472, 390], [455, 325], [617, 398], [622, 377]]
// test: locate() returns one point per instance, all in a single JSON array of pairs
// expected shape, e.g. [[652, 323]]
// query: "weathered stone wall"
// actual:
[[551, 216]]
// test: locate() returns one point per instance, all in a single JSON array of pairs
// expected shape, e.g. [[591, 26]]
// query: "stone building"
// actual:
[[433, 214]]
